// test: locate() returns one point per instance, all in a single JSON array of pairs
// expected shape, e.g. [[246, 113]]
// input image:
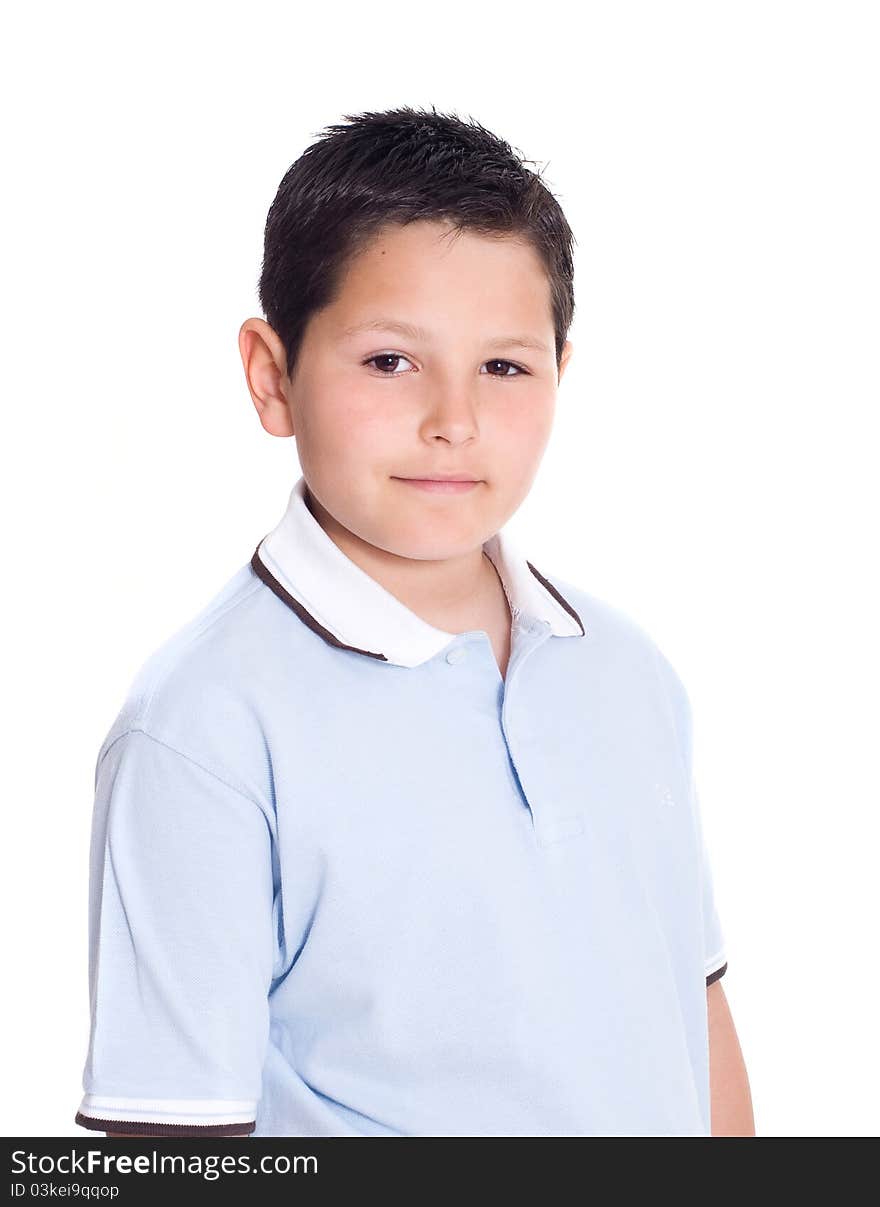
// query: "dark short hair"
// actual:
[[400, 166]]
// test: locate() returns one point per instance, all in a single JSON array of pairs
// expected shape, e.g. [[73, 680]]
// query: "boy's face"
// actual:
[[460, 397]]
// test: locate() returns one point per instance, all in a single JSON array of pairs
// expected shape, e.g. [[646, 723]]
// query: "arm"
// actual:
[[729, 1083], [182, 946]]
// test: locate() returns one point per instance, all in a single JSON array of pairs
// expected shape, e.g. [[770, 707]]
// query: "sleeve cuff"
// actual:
[[716, 968], [167, 1116]]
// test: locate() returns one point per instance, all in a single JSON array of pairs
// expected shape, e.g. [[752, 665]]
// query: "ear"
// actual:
[[567, 349], [262, 354]]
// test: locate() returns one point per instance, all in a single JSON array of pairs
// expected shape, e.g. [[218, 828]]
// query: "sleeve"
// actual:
[[181, 946], [714, 943], [713, 936]]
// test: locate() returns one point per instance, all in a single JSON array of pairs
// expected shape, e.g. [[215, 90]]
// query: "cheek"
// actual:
[[345, 421], [523, 431]]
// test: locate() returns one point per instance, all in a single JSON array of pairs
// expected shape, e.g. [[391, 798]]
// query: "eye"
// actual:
[[386, 356], [510, 365]]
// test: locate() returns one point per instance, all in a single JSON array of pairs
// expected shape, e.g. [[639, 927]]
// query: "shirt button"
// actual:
[[455, 655]]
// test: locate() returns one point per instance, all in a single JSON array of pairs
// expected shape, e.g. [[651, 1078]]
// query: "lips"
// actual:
[[441, 485], [442, 478]]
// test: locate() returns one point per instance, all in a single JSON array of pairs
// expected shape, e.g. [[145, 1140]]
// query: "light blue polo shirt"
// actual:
[[346, 880]]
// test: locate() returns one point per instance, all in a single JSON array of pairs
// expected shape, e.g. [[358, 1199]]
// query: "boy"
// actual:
[[399, 835]]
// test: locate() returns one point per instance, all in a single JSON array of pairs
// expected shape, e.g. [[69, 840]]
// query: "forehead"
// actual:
[[433, 276]]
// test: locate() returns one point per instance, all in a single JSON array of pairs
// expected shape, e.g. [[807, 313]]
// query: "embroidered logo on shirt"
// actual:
[[666, 797]]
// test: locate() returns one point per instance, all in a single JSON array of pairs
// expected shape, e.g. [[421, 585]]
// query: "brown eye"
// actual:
[[384, 367], [508, 364]]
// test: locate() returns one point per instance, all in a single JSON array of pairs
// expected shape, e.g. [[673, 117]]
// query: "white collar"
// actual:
[[344, 605]]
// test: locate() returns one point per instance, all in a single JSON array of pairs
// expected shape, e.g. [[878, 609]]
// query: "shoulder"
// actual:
[[197, 691], [620, 644], [607, 625]]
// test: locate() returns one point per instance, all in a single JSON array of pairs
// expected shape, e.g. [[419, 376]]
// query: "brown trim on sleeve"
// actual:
[[133, 1128], [306, 617], [549, 586], [713, 976]]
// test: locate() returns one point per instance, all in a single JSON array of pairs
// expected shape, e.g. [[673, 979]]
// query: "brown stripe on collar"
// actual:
[[305, 616], [549, 586]]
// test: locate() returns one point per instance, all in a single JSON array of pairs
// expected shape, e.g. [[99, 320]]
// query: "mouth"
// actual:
[[452, 485]]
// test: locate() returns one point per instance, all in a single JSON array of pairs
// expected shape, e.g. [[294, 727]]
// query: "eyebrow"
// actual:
[[412, 332]]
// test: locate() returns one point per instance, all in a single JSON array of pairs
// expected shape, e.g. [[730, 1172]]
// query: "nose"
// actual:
[[452, 417]]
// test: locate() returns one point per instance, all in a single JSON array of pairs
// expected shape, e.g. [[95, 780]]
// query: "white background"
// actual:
[[713, 469]]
